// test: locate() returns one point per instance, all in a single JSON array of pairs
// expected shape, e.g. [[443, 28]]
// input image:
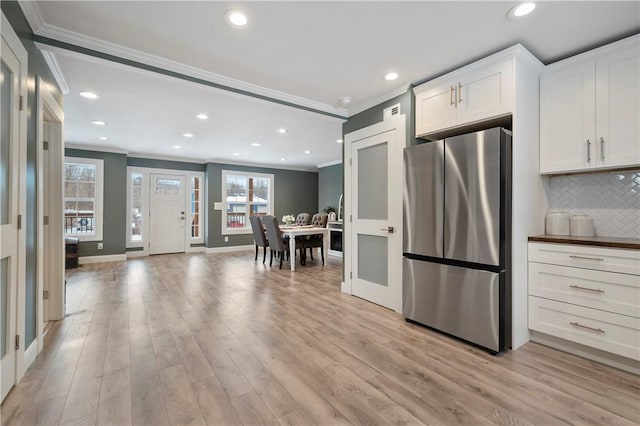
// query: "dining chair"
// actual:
[[259, 236], [276, 243], [319, 220], [303, 219]]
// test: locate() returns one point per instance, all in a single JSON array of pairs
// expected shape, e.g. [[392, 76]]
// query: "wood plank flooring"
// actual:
[[219, 339]]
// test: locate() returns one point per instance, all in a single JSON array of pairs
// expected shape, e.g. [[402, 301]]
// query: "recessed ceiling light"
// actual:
[[255, 144], [390, 76], [103, 138], [236, 153], [187, 135], [345, 100], [177, 147], [283, 159], [339, 141], [521, 10], [99, 123], [307, 151], [202, 116], [282, 130], [89, 95], [236, 19]]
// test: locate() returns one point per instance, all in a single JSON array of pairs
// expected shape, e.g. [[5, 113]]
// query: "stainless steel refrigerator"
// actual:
[[457, 237]]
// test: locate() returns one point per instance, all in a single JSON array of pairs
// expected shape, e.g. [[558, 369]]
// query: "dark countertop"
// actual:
[[613, 242]]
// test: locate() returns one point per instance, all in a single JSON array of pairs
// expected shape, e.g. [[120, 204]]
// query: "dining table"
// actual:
[[293, 231]]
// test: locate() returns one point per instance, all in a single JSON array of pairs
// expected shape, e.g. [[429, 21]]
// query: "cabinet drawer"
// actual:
[[598, 258], [608, 291], [609, 332]]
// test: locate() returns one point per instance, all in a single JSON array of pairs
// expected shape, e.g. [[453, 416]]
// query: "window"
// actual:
[[196, 228], [135, 212], [83, 189], [245, 194]]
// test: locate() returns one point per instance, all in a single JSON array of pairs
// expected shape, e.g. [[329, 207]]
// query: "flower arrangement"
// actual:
[[288, 219]]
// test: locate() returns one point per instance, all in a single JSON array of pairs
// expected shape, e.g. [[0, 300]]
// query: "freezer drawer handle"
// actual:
[[597, 330], [595, 290], [599, 259], [389, 229]]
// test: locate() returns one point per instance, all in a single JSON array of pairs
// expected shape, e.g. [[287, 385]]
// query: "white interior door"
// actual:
[[46, 239], [10, 245], [376, 214], [167, 217]]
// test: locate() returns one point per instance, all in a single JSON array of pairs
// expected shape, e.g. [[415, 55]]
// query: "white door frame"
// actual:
[[48, 110], [20, 52], [146, 173], [395, 123]]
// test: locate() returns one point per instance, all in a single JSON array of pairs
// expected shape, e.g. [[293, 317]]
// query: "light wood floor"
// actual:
[[218, 339]]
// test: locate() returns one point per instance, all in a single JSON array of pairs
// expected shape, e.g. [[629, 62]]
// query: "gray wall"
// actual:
[[37, 67], [114, 231], [373, 115], [330, 183], [294, 192], [164, 164]]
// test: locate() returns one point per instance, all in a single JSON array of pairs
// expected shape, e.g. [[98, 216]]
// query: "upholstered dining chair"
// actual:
[[303, 219], [259, 236], [318, 220], [276, 243]]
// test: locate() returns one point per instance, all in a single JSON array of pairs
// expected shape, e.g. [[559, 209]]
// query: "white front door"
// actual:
[[167, 214], [375, 212], [11, 205]]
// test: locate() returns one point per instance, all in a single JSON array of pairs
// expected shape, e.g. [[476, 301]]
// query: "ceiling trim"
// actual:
[[50, 59], [329, 163], [263, 165], [52, 35], [380, 99]]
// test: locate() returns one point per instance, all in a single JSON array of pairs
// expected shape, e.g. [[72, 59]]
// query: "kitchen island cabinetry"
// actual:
[[589, 109], [587, 295]]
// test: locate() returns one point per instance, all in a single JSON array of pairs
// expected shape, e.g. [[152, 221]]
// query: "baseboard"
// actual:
[[229, 249], [197, 249], [613, 360], [102, 259], [30, 354], [137, 253], [346, 288]]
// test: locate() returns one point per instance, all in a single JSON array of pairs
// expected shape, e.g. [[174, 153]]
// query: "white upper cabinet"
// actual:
[[590, 109], [476, 92]]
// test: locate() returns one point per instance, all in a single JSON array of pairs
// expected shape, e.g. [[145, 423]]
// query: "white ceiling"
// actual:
[[308, 53]]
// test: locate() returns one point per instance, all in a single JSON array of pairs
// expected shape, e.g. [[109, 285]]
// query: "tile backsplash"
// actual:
[[611, 199]]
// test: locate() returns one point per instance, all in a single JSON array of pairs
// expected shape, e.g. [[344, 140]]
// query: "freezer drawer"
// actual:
[[459, 301]]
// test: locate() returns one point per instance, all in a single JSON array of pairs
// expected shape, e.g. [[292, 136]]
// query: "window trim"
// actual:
[[99, 216], [247, 229]]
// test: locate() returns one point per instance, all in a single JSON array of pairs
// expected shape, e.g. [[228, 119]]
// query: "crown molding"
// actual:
[[98, 148], [50, 59], [70, 37], [31, 12], [329, 163], [263, 165], [380, 99]]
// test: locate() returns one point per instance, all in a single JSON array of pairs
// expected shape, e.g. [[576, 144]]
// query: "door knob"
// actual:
[[389, 229]]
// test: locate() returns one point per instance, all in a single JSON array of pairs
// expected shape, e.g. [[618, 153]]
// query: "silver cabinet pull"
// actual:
[[599, 259], [595, 290], [602, 149], [597, 330], [459, 92], [451, 101], [588, 151]]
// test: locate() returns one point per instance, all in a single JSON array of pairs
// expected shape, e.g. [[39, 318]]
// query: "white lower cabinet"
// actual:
[[587, 295]]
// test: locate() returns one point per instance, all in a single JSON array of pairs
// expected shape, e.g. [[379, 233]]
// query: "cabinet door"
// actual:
[[567, 119], [618, 108], [485, 93], [435, 108]]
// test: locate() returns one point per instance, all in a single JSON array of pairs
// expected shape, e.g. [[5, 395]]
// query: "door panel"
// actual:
[[472, 197], [167, 214], [10, 140], [423, 199], [435, 108], [485, 93], [376, 177]]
